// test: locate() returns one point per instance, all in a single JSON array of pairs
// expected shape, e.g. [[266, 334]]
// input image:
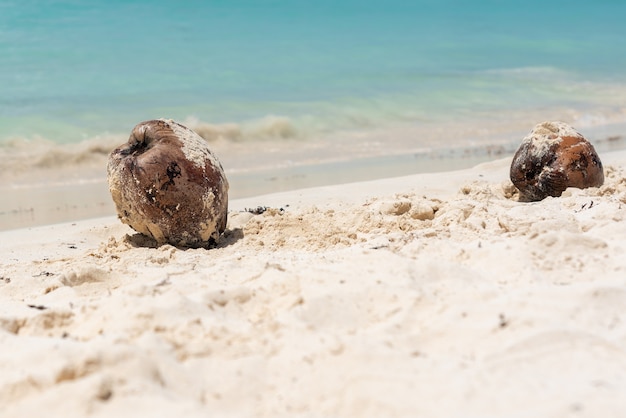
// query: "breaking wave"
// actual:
[[270, 127], [276, 142]]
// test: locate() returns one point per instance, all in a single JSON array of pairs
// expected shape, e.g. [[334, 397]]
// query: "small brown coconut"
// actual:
[[167, 184], [553, 157]]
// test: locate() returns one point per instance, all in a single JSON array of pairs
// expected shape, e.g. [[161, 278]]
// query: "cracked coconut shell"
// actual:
[[167, 184]]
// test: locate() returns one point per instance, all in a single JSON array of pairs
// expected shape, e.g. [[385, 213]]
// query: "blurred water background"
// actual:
[[281, 84]]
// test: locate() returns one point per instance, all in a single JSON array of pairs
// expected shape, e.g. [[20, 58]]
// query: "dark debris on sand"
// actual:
[[259, 210]]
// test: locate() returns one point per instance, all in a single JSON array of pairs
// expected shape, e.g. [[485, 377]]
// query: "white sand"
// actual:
[[435, 295]]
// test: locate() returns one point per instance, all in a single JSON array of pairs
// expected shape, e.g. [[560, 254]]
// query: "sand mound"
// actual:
[[381, 307]]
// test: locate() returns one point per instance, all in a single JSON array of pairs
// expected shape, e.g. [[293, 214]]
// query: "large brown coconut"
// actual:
[[167, 184], [553, 157]]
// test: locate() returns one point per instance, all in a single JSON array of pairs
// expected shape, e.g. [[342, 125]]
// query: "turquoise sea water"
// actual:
[[312, 70]]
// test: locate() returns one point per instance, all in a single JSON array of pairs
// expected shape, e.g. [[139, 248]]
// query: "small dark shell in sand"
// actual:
[[167, 184], [553, 157]]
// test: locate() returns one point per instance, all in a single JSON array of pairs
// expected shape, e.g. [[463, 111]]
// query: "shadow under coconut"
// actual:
[[228, 237]]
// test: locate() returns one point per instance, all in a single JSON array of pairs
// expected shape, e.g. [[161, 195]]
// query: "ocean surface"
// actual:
[[288, 82]]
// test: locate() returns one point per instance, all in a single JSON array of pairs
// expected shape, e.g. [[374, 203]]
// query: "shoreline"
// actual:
[[47, 204], [71, 197]]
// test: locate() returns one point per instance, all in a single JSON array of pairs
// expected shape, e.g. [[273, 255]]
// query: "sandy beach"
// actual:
[[378, 260], [434, 295]]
